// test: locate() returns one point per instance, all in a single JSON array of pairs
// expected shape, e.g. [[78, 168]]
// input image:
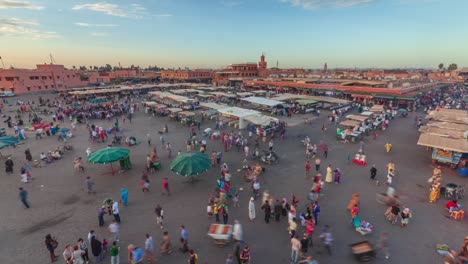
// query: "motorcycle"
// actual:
[[117, 140], [269, 157]]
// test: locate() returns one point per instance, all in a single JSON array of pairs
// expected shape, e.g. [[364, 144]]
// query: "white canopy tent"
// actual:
[[262, 101], [261, 120], [240, 113]]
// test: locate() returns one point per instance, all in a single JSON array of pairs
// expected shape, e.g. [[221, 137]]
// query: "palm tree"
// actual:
[[441, 66], [452, 67]]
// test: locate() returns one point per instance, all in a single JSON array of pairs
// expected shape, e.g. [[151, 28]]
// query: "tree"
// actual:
[[441, 66], [452, 67], [108, 67], [74, 67]]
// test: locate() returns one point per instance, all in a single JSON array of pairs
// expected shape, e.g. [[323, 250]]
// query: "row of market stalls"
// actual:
[[447, 134], [356, 126]]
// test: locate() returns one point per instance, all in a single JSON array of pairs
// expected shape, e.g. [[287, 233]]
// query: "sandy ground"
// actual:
[[61, 207]]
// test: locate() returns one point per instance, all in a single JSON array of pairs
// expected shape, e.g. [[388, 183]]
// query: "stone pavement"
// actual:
[[61, 207]]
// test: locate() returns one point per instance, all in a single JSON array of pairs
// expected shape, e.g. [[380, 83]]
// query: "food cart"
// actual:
[[451, 151], [307, 105], [363, 251], [173, 112], [349, 133], [221, 234], [186, 117]]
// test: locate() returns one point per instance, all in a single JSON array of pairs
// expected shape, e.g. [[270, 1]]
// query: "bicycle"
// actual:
[[453, 191]]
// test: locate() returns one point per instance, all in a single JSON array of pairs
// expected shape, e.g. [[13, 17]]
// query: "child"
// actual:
[[209, 210], [104, 247], [245, 164], [235, 199]]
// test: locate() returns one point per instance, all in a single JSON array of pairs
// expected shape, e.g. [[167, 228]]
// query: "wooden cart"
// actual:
[[221, 234]]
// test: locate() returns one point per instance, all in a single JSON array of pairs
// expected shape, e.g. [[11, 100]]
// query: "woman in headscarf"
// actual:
[[251, 209], [9, 165], [124, 196], [434, 193], [337, 173], [27, 152]]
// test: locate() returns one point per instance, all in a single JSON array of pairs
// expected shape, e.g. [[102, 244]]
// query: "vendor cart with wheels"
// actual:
[[363, 251], [221, 234]]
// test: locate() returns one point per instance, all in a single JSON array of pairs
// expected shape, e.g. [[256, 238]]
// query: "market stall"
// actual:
[[266, 123], [350, 131], [262, 103], [237, 115], [307, 105], [446, 150], [186, 117]]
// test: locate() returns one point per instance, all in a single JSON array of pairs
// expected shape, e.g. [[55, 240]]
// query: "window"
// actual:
[[68, 76], [53, 86], [31, 77], [40, 87], [46, 86], [58, 76], [29, 88], [50, 77], [9, 79]]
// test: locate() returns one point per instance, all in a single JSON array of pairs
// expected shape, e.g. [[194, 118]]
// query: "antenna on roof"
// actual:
[[52, 60]]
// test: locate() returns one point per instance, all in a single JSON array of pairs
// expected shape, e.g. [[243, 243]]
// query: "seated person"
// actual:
[[56, 155], [258, 169], [453, 205], [43, 156], [49, 158], [59, 150]]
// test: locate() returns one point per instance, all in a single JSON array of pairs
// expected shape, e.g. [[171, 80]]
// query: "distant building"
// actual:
[[187, 75], [44, 77]]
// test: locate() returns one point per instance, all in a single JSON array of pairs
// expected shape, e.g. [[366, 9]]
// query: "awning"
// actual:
[[262, 101], [458, 145], [350, 123], [357, 117], [306, 101]]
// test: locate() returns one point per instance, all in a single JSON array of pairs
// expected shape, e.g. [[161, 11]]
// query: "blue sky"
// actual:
[[213, 34]]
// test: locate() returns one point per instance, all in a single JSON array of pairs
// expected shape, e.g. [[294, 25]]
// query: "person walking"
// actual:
[[114, 253], [267, 209], [77, 255], [51, 245], [277, 209], [388, 147], [237, 233], [159, 215], [169, 150], [84, 247], [252, 213], [383, 244], [295, 249], [149, 249], [115, 211], [373, 172], [315, 211], [28, 155], [23, 195], [148, 139], [114, 230], [329, 177], [9, 165], [325, 152], [223, 210], [308, 167], [124, 196], [317, 164], [90, 185], [327, 239], [96, 248], [165, 186]]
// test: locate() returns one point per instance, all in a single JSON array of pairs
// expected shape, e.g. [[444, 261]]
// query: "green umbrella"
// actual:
[[108, 155], [8, 141], [189, 164]]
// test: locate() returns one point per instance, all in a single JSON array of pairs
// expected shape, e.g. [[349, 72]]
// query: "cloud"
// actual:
[[100, 34], [316, 4], [164, 15], [81, 24], [10, 4], [21, 28], [130, 11], [230, 3], [103, 7]]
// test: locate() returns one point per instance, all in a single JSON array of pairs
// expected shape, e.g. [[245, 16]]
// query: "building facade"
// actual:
[[186, 75], [44, 77]]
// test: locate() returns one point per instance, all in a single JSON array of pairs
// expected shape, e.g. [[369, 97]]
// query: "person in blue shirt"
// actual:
[[137, 255]]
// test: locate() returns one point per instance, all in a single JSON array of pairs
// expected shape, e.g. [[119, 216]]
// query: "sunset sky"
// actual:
[[213, 34]]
